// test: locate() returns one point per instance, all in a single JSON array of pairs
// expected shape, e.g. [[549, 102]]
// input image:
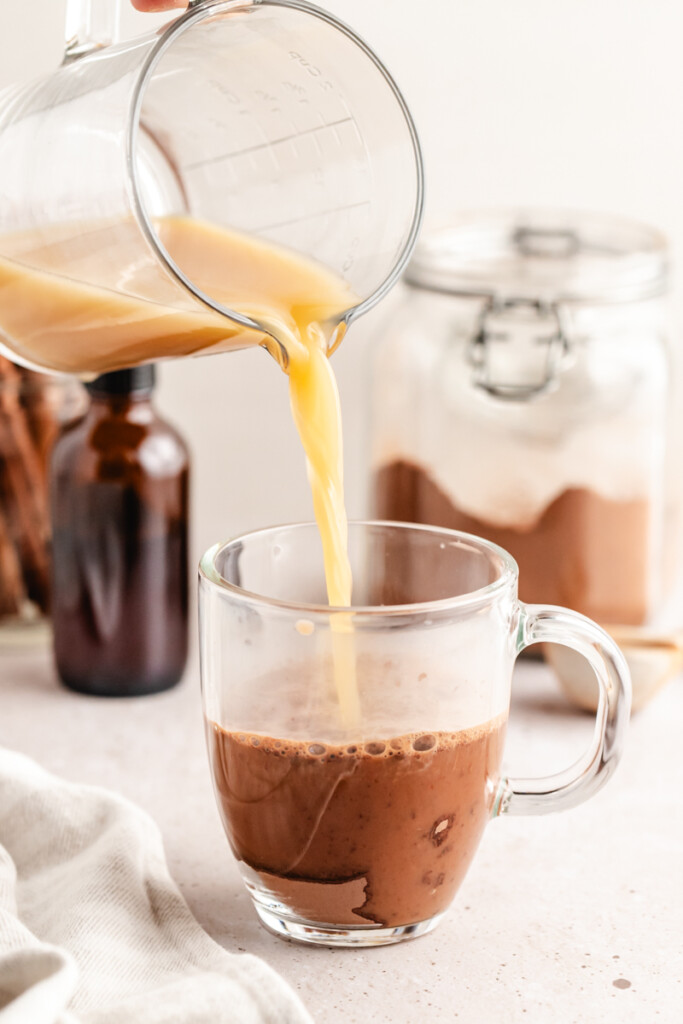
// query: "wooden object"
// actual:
[[24, 518]]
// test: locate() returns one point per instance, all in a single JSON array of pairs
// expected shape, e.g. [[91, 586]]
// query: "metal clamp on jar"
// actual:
[[522, 393]]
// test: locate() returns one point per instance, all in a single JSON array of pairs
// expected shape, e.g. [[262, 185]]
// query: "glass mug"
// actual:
[[269, 118], [359, 834]]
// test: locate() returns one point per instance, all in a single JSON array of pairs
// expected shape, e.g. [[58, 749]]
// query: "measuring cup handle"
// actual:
[[90, 25], [539, 624]]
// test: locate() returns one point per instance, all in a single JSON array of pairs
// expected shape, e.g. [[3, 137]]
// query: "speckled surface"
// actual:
[[573, 918]]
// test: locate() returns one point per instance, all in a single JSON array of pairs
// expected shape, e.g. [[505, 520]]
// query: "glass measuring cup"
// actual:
[[269, 118]]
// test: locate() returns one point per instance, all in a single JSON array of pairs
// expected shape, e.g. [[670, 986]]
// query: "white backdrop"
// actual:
[[563, 102]]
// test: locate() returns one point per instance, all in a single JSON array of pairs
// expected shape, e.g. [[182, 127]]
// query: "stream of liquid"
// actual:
[[61, 323]]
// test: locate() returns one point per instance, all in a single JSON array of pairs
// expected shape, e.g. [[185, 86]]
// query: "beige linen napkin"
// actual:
[[92, 928]]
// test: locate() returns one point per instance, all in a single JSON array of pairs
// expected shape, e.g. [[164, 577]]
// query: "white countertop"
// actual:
[[576, 917]]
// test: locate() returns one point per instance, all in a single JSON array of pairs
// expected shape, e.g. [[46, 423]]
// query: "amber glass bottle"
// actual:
[[119, 499]]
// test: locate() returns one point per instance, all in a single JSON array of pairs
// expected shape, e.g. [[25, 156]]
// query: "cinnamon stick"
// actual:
[[12, 591], [24, 488], [38, 398]]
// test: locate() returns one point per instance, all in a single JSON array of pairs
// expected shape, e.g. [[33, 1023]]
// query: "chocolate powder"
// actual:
[[585, 552]]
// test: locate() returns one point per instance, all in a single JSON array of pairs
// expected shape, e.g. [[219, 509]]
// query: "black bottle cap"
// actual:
[[124, 382]]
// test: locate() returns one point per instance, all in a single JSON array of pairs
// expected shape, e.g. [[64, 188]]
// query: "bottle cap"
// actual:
[[124, 382]]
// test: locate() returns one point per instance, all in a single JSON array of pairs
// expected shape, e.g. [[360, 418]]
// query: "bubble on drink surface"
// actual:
[[305, 627], [317, 749], [255, 741], [375, 748], [424, 742], [352, 749]]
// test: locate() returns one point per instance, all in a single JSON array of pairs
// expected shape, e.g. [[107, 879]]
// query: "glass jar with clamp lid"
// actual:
[[523, 393]]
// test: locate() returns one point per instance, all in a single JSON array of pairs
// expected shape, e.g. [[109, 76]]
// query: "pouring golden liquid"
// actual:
[[64, 325]]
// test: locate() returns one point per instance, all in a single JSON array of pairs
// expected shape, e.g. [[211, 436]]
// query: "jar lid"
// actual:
[[553, 256]]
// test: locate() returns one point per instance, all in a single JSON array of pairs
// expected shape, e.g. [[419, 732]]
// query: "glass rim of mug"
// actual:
[[472, 600], [197, 11]]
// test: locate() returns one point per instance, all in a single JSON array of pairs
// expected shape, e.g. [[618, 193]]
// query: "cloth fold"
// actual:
[[92, 928]]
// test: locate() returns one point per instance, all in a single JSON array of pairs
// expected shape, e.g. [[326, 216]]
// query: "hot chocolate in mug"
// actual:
[[356, 752]]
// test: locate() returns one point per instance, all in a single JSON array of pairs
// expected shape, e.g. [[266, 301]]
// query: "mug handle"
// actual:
[[579, 782]]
